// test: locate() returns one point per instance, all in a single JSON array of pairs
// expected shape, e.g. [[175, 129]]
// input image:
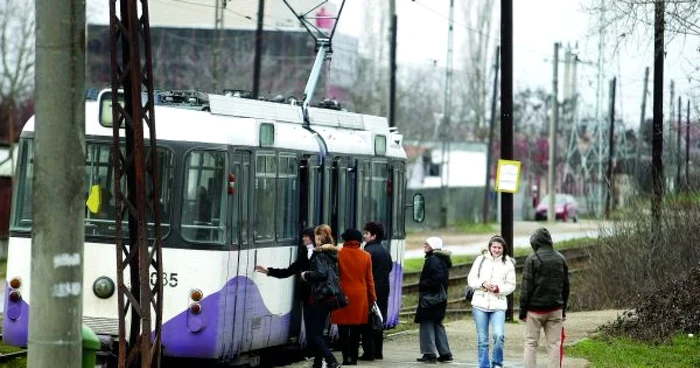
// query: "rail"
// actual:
[[462, 270]]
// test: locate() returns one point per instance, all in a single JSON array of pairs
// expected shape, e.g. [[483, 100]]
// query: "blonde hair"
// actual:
[[324, 231]]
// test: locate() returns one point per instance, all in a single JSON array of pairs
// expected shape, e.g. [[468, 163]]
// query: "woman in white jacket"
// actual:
[[493, 277]]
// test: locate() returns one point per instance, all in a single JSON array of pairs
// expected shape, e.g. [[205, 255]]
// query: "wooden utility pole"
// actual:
[[392, 62], [58, 203], [507, 125], [678, 147], [611, 152], [554, 121], [219, 8], [687, 146], [258, 49], [657, 166]]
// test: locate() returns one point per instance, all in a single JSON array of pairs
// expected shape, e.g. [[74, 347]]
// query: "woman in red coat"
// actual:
[[356, 280]]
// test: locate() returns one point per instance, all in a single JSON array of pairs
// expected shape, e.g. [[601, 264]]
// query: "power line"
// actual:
[[238, 14], [474, 30]]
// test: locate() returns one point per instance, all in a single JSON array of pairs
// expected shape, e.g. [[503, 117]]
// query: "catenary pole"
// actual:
[[551, 210], [489, 147]]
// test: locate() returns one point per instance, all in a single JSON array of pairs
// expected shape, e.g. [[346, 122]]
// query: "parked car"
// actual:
[[565, 208]]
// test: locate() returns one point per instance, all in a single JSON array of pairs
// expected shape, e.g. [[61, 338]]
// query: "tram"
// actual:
[[239, 178]]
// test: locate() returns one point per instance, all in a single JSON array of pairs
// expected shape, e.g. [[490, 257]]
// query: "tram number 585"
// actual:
[[169, 279]]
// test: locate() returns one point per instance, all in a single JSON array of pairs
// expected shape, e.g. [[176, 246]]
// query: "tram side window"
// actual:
[[204, 197], [399, 201], [265, 176], [287, 191], [368, 206], [380, 192], [22, 207]]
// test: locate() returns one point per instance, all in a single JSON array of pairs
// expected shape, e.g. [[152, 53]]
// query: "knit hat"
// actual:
[[541, 238], [434, 242], [352, 234]]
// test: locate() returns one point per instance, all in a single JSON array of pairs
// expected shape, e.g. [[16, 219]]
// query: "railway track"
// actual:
[[461, 271]]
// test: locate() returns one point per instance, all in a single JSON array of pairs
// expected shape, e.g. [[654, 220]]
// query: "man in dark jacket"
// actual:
[[543, 298], [373, 341]]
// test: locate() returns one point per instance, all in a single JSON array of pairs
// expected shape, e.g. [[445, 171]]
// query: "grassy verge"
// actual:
[[602, 352], [15, 363], [415, 264]]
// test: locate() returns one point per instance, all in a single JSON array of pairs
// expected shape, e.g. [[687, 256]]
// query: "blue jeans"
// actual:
[[497, 321]]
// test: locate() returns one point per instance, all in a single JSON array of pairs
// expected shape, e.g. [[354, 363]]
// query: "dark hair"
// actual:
[[499, 239], [308, 232], [376, 229]]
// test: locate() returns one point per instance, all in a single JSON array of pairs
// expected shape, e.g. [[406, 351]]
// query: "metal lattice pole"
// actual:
[[132, 73]]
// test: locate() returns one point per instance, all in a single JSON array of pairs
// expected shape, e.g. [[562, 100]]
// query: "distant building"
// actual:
[[465, 165], [182, 43]]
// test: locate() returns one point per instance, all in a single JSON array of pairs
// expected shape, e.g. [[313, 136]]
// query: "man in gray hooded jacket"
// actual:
[[543, 298]]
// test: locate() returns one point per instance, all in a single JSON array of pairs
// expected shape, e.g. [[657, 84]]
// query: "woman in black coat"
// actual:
[[433, 282]]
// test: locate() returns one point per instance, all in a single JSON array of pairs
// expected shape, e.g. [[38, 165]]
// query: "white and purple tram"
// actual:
[[237, 184]]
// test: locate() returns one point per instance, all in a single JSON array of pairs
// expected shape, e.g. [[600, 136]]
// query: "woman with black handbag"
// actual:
[[325, 294], [358, 284], [432, 302], [492, 277]]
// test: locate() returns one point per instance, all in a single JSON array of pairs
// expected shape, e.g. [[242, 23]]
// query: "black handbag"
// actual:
[[431, 299], [375, 319], [468, 290]]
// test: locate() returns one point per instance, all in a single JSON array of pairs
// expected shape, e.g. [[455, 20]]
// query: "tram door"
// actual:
[[238, 285], [311, 193]]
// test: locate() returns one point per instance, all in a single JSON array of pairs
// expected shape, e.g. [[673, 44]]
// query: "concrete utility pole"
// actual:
[[611, 151], [489, 153], [668, 157], [392, 62], [551, 210], [258, 49], [507, 125], [445, 176], [641, 122], [657, 165], [598, 115], [55, 326]]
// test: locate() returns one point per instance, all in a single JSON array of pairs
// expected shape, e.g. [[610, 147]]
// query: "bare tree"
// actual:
[[16, 50], [16, 65], [625, 17], [474, 93]]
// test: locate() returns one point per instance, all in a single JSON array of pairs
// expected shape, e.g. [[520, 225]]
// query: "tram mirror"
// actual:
[[418, 207], [105, 107], [94, 201]]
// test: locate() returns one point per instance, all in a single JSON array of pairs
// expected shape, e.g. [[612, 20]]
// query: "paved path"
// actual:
[[401, 349]]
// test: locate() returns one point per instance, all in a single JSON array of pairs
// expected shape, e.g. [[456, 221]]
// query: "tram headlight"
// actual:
[[196, 308], [15, 296], [196, 295], [15, 283], [103, 287]]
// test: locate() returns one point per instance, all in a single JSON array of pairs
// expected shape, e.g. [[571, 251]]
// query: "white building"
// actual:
[[465, 165]]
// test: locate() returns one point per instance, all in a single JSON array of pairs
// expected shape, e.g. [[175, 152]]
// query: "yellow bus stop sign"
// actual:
[[508, 176]]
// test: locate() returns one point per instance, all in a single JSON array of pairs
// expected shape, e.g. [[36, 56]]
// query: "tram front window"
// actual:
[[100, 213]]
